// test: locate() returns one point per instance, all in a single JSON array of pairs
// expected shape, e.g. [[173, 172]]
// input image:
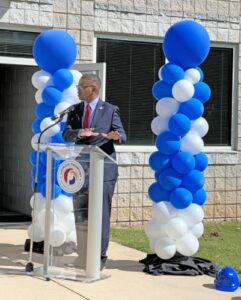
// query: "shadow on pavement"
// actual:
[[125, 265], [209, 286]]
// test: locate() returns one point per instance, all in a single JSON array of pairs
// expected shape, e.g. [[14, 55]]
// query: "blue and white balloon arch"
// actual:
[[55, 52], [178, 192]]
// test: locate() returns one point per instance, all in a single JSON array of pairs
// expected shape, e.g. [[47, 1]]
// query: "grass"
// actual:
[[221, 243]]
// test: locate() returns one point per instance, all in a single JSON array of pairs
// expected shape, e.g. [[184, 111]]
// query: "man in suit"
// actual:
[[95, 122]]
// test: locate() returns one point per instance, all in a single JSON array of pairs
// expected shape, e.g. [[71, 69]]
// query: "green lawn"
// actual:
[[221, 243]]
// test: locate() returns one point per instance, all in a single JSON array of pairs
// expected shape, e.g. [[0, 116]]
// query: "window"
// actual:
[[16, 43], [132, 69], [217, 70]]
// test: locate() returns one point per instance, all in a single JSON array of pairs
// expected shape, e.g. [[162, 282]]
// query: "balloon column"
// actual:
[[178, 193], [55, 52]]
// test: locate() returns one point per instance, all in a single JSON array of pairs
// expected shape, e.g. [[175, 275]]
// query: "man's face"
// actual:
[[86, 90]]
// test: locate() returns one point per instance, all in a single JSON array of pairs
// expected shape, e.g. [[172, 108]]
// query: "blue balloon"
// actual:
[[62, 79], [159, 161], [183, 162], [54, 49], [32, 157], [41, 172], [193, 181], [36, 126], [157, 174], [201, 73], [161, 89], [172, 73], [168, 143], [43, 158], [56, 190], [157, 194], [62, 126], [201, 161], [192, 108], [202, 92], [179, 124], [199, 197], [169, 179], [186, 44], [181, 198], [42, 111], [57, 138], [51, 96]]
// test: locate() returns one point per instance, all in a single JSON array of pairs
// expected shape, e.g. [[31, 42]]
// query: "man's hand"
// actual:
[[113, 135], [87, 132]]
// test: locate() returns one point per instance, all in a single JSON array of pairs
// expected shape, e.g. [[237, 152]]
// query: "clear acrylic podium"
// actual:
[[79, 171]]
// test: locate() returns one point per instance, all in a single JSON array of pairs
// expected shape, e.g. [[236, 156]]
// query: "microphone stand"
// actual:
[[29, 266]]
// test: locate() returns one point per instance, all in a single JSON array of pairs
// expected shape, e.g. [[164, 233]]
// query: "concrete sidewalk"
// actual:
[[127, 281]]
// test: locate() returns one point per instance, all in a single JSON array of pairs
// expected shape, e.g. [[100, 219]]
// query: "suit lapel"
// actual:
[[80, 112], [97, 113]]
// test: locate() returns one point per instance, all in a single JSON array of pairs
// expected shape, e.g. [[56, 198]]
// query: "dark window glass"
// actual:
[[217, 69], [16, 43], [132, 68]]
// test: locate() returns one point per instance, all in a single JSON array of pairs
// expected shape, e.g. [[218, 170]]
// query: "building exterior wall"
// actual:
[[145, 19]]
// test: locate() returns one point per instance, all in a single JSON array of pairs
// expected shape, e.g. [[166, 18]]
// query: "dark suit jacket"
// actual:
[[106, 118]]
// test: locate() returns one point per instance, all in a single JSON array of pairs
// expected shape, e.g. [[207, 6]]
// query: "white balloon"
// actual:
[[46, 122], [71, 237], [176, 228], [38, 96], [199, 126], [61, 106], [166, 107], [38, 235], [68, 222], [57, 236], [192, 75], [154, 228], [39, 202], [34, 140], [152, 244], [63, 204], [41, 218], [193, 214], [71, 95], [192, 143], [159, 73], [161, 211], [172, 210], [77, 75], [40, 79], [187, 245], [183, 90], [165, 248], [198, 230], [159, 125]]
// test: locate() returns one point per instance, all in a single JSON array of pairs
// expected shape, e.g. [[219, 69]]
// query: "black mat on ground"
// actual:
[[178, 265]]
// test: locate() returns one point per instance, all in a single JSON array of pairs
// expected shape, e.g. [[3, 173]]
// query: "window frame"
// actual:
[[234, 101]]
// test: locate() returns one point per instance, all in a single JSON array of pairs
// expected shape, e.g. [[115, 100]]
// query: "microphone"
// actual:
[[62, 113]]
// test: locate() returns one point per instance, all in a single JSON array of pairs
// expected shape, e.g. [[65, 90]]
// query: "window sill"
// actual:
[[150, 149]]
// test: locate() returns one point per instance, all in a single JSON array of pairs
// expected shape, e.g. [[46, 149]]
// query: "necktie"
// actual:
[[87, 116]]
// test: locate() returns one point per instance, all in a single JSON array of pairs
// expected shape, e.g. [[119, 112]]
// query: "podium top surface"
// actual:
[[67, 150]]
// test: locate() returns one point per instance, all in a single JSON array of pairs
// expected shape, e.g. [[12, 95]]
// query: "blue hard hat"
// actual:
[[227, 280]]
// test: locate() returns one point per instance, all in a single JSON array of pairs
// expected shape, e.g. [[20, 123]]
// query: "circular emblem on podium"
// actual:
[[71, 176]]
